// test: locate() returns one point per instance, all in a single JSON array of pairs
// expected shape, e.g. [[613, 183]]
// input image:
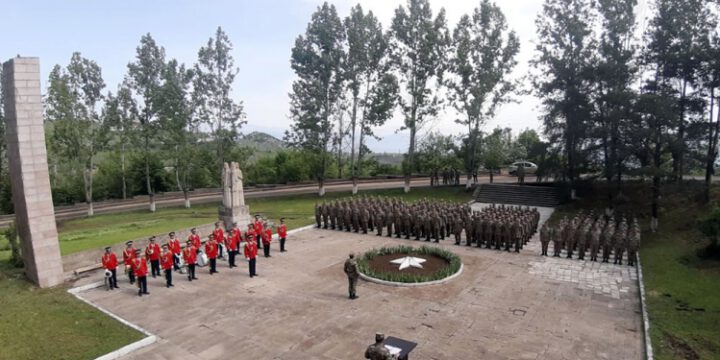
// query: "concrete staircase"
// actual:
[[531, 195]]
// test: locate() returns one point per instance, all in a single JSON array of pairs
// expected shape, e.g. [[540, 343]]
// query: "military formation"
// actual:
[[599, 237], [499, 227]]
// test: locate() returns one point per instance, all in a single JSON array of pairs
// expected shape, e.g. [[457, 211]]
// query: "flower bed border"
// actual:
[[453, 270]]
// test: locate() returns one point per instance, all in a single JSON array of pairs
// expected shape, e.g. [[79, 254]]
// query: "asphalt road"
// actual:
[[176, 199]]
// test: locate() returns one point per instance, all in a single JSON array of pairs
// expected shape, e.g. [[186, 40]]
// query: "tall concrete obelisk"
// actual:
[[30, 181]]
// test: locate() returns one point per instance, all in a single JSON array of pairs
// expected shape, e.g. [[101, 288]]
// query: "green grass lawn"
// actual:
[[683, 290], [52, 324], [100, 230]]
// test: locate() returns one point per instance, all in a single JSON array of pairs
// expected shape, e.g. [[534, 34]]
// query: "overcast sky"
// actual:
[[263, 33]]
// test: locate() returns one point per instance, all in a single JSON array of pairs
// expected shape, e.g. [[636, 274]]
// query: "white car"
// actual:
[[530, 168]]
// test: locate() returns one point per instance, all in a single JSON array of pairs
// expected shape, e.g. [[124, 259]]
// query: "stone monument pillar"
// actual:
[[233, 207], [30, 181]]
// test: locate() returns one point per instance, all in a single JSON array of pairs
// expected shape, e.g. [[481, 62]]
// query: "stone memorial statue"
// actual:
[[233, 209]]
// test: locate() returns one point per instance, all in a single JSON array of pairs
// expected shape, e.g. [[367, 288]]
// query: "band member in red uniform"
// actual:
[[266, 239], [195, 239], [233, 243], [258, 227], [167, 261], [152, 252], [128, 256], [211, 250], [219, 237], [110, 263], [190, 258], [250, 233], [251, 251], [175, 249], [140, 269], [282, 234]]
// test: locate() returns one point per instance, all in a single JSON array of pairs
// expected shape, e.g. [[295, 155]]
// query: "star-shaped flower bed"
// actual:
[[409, 261]]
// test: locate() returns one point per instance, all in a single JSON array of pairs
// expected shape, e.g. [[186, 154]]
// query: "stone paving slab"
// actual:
[[503, 306]]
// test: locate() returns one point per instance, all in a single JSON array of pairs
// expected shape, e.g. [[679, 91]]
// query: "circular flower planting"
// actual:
[[406, 265]]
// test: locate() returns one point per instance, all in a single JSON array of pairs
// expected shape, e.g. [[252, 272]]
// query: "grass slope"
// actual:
[[683, 289], [52, 324], [97, 231]]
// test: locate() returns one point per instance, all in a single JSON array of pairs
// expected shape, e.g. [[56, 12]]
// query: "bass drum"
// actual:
[[202, 259]]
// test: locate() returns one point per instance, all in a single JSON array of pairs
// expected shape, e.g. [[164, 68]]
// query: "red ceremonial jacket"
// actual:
[[267, 236], [153, 252], [140, 266], [219, 235], [128, 255], [282, 231], [250, 235], [109, 261], [190, 255], [175, 246], [251, 250], [233, 240], [195, 240], [211, 249], [258, 227], [167, 260]]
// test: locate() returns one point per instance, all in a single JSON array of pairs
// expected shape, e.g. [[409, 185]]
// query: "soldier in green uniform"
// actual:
[[380, 222], [378, 351], [318, 213], [594, 242], [544, 239], [352, 274]]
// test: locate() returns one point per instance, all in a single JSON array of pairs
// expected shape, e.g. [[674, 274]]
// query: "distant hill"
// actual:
[[262, 142]]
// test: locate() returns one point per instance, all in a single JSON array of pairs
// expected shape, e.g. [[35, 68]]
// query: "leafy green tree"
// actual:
[[676, 39], [121, 113], [145, 78], [214, 77], [614, 94], [175, 119], [419, 50], [483, 56], [317, 59], [563, 62], [436, 152], [710, 82], [372, 87], [79, 132], [495, 150]]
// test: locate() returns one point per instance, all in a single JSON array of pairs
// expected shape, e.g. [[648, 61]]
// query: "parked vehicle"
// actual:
[[530, 168]]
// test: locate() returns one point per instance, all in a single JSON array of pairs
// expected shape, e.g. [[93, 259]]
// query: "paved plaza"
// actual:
[[503, 306]]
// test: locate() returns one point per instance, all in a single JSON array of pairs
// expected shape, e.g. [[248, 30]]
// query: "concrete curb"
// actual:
[[399, 284], [127, 349], [646, 319]]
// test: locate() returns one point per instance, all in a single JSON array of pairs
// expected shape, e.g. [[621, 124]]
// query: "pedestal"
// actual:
[[239, 214]]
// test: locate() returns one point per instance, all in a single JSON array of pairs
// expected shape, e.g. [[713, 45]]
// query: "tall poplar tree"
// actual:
[[483, 56], [175, 118], [215, 74], [563, 63], [79, 131], [372, 88], [419, 49], [317, 59], [144, 78], [121, 114], [615, 72]]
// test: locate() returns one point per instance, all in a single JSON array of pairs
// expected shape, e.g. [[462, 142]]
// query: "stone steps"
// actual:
[[531, 195]]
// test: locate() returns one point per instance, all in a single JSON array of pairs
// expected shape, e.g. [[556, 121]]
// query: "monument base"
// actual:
[[239, 215]]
